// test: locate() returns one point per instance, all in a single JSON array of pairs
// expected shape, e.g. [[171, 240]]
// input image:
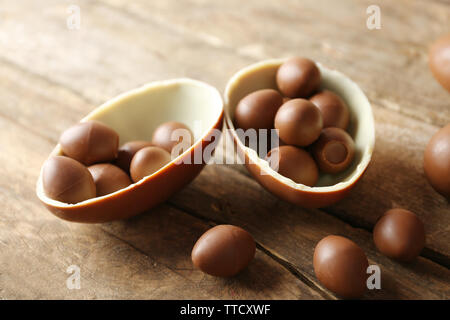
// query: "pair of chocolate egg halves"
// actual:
[[93, 165], [309, 121]]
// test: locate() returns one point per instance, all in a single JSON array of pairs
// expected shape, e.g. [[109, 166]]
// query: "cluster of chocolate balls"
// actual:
[[93, 165], [311, 123]]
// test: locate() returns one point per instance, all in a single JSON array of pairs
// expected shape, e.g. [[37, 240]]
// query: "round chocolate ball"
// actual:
[[170, 134], [334, 150], [257, 110], [147, 161], [298, 78], [334, 110], [108, 178], [399, 234], [223, 251], [341, 266], [439, 60], [66, 180], [436, 162], [294, 163], [90, 142], [299, 122], [127, 152]]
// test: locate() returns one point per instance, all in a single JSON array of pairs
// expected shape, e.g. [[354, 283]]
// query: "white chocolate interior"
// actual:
[[136, 114], [362, 127]]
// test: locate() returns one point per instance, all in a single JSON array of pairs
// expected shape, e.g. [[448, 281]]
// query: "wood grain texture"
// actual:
[[50, 77]]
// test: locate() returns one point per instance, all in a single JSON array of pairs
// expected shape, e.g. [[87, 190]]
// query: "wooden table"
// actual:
[[50, 77]]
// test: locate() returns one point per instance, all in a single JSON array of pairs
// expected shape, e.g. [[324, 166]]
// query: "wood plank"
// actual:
[[290, 233], [147, 257]]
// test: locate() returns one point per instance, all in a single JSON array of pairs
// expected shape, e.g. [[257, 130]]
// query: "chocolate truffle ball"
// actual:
[[67, 180], [108, 178], [436, 162], [299, 122], [439, 60], [147, 161], [223, 251], [334, 110], [341, 266], [294, 163], [162, 137], [298, 78], [334, 150], [90, 142], [399, 234], [127, 152], [257, 110]]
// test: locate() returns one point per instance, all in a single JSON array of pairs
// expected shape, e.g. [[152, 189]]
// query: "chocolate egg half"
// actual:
[[223, 251], [341, 266]]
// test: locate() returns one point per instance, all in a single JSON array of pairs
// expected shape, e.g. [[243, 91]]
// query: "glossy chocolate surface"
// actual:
[[399, 234], [298, 78], [439, 60], [147, 161], [257, 110], [341, 266], [162, 137], [67, 180], [295, 164], [223, 251], [334, 150], [299, 122], [334, 110], [90, 142], [436, 162], [108, 178], [127, 152]]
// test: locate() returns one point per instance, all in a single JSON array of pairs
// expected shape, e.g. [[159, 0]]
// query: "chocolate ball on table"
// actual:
[[295, 164], [399, 234], [334, 150], [90, 142], [108, 178], [341, 266], [257, 110], [436, 161], [147, 161], [439, 60], [66, 180], [334, 110], [171, 133], [127, 152], [298, 78], [299, 122]]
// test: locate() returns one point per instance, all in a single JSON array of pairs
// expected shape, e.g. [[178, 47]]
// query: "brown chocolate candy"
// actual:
[[147, 161], [162, 137], [439, 60], [334, 110], [257, 110], [67, 180], [436, 162], [295, 164], [90, 142], [341, 266], [127, 152], [334, 150], [223, 251], [108, 178], [399, 234], [299, 122], [298, 78]]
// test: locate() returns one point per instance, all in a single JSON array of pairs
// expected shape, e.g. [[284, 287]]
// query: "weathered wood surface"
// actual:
[[50, 77]]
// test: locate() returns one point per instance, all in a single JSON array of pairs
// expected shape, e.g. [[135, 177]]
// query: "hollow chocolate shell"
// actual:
[[223, 251], [436, 161], [330, 188], [341, 266], [135, 115], [399, 234]]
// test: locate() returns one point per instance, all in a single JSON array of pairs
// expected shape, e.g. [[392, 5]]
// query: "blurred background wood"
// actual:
[[50, 77]]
